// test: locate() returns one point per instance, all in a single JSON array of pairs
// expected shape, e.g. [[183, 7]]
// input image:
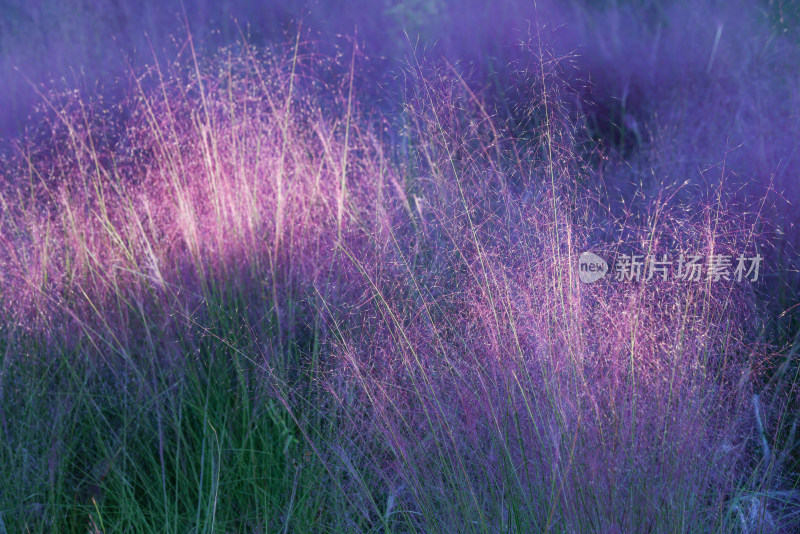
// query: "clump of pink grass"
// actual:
[[477, 382], [225, 177], [504, 394]]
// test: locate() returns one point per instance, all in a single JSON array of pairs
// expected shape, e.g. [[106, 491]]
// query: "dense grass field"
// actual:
[[324, 273]]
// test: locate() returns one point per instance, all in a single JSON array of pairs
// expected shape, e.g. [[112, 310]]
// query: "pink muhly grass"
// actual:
[[224, 177], [477, 385], [508, 395]]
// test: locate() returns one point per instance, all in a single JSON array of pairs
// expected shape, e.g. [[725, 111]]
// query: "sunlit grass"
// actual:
[[231, 304]]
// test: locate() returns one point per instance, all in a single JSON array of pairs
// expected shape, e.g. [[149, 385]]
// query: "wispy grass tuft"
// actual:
[[240, 302]]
